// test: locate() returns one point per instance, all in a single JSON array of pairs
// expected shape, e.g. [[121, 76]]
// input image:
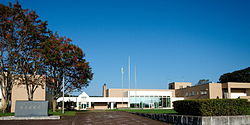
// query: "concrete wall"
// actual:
[[19, 92], [198, 120]]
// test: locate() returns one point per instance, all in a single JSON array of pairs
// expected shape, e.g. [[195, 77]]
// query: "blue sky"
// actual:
[[168, 41]]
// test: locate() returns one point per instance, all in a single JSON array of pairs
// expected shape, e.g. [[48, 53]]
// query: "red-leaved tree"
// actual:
[[64, 59]]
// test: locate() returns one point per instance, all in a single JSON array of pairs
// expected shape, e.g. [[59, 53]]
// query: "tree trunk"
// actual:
[[6, 106], [54, 104]]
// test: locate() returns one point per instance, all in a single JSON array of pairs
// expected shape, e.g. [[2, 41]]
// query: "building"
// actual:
[[231, 90], [160, 98], [19, 93], [127, 98], [203, 91]]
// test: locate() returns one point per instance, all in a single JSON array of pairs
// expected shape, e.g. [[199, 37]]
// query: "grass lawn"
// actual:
[[155, 111], [67, 113], [59, 112], [6, 114]]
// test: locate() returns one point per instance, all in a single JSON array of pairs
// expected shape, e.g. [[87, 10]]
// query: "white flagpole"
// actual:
[[63, 96], [135, 89], [122, 72], [135, 78], [129, 72]]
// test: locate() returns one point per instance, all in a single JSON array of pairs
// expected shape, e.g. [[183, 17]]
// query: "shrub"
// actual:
[[212, 107]]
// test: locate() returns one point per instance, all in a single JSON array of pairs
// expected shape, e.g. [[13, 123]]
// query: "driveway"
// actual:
[[92, 118]]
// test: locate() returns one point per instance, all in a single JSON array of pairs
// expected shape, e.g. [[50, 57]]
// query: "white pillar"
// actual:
[[89, 104], [112, 105], [77, 105]]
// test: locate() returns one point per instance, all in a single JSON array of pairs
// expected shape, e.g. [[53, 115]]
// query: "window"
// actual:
[[193, 93], [168, 101], [203, 92]]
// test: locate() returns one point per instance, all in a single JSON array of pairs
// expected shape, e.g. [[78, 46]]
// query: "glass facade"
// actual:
[[150, 101]]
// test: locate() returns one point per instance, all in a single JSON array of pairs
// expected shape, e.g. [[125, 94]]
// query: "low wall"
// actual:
[[198, 120]]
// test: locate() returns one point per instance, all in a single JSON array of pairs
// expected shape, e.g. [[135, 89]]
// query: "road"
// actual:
[[92, 118]]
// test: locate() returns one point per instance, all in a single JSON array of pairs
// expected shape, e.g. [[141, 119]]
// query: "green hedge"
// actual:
[[212, 107]]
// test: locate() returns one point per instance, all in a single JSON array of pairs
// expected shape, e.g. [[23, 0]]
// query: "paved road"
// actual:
[[92, 118]]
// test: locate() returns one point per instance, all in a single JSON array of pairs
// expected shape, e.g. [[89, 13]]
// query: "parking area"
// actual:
[[92, 118]]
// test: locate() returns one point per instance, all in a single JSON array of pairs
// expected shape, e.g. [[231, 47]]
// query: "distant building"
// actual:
[[231, 90]]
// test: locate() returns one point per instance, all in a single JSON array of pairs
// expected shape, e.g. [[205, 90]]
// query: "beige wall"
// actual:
[[235, 85], [120, 105], [215, 90], [19, 93], [100, 105], [232, 86]]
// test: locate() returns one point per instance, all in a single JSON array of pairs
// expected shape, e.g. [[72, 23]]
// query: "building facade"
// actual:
[[127, 98], [159, 98], [19, 93], [230, 90]]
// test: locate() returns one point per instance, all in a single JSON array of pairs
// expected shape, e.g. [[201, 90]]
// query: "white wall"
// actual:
[[150, 93], [237, 95]]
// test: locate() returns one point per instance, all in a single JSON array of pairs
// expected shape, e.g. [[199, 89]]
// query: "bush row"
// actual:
[[212, 107]]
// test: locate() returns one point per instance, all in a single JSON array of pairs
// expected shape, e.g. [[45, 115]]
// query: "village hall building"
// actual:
[[159, 98], [140, 98]]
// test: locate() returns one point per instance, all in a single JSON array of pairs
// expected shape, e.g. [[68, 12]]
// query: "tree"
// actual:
[[8, 50], [242, 75], [64, 59], [31, 33], [203, 81], [31, 55], [21, 35]]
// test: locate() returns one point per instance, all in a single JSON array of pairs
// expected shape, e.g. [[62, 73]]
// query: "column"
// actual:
[[112, 105], [89, 104], [229, 92]]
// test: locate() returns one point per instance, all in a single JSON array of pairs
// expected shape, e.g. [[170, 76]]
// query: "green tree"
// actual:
[[203, 81], [242, 75]]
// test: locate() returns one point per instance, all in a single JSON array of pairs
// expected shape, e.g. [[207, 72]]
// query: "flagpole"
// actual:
[[129, 81], [63, 97], [129, 72], [135, 88], [122, 73]]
